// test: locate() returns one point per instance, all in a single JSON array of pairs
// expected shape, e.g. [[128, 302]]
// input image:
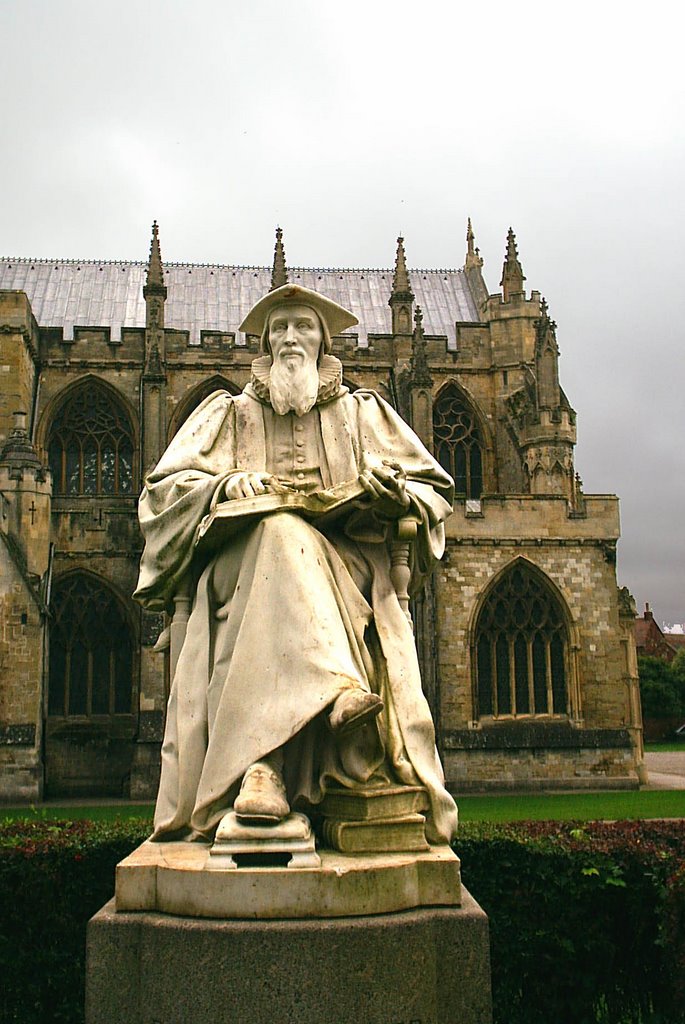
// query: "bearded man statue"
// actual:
[[298, 671]]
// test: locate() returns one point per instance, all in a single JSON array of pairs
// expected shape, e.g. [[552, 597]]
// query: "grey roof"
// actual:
[[69, 293]]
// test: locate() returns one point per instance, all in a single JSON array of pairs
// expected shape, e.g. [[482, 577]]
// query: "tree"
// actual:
[[662, 686]]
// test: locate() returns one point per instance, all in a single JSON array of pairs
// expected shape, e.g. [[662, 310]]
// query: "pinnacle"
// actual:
[[419, 369], [279, 271], [400, 277], [473, 258], [512, 272], [155, 268]]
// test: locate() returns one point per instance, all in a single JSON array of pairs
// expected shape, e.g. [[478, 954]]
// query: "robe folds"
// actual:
[[286, 615]]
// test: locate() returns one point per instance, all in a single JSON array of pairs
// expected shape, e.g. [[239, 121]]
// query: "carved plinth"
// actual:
[[292, 837], [375, 819], [185, 879]]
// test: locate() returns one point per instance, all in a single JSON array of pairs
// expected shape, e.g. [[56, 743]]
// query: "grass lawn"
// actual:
[[666, 747], [667, 803], [95, 812]]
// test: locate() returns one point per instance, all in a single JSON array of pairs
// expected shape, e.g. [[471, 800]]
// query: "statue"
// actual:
[[277, 510]]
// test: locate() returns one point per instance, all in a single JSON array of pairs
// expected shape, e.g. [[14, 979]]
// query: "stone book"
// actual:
[[231, 516], [371, 804]]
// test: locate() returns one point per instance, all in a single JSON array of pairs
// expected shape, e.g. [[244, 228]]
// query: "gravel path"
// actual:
[[666, 770]]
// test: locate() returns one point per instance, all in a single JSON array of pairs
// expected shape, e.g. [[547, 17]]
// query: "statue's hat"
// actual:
[[335, 317]]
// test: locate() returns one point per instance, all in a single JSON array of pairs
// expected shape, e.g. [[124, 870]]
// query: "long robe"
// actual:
[[287, 616]]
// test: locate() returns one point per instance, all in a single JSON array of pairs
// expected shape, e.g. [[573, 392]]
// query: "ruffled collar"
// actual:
[[330, 378]]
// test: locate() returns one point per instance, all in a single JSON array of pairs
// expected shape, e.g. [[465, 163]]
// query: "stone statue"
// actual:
[[277, 510]]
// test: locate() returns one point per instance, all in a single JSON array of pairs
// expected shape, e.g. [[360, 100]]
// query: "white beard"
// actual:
[[293, 385]]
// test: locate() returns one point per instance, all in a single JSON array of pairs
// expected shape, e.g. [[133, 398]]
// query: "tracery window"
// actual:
[[91, 651], [191, 401], [90, 447], [458, 443], [521, 648]]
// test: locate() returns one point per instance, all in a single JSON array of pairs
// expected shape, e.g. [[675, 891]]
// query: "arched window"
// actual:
[[521, 649], [196, 396], [91, 651], [90, 446], [458, 442]]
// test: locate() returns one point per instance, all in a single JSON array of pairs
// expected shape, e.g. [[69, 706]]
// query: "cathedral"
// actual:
[[525, 640]]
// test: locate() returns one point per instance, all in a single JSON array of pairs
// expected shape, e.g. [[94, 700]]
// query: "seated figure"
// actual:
[[298, 671]]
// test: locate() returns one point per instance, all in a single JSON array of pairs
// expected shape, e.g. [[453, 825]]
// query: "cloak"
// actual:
[[288, 615]]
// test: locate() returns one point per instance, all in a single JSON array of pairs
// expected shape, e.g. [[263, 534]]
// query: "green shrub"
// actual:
[[662, 686], [53, 877], [587, 921]]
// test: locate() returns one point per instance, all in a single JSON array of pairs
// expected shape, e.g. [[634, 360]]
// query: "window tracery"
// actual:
[[458, 443], [521, 649], [195, 398], [90, 446], [91, 651]]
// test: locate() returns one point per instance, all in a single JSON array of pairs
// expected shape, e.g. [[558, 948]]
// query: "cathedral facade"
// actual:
[[526, 643]]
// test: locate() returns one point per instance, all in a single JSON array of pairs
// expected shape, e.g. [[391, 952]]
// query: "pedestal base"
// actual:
[[427, 966], [183, 878]]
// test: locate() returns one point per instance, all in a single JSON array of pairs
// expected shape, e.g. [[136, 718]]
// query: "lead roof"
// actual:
[[204, 297]]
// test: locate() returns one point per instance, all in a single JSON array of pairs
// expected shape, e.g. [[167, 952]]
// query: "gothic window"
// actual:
[[91, 651], [195, 397], [521, 649], [458, 443], [90, 447]]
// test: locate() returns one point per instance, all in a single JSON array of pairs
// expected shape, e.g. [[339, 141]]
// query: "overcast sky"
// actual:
[[350, 122]]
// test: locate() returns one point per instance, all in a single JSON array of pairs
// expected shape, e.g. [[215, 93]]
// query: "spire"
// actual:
[[419, 369], [546, 360], [400, 278], [512, 273], [473, 257], [154, 293], [401, 297], [279, 272], [545, 331], [154, 284]]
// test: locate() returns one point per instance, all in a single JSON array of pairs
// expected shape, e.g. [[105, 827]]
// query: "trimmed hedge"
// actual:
[[587, 921], [53, 877]]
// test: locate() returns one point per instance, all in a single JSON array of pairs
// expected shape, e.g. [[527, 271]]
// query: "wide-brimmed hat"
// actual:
[[335, 317]]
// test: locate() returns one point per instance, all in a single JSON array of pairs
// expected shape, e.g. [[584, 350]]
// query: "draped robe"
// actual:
[[287, 615]]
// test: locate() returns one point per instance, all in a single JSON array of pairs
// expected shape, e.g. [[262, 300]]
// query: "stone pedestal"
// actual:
[[424, 966]]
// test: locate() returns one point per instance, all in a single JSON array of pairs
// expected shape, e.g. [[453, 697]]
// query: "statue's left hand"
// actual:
[[387, 485], [248, 485]]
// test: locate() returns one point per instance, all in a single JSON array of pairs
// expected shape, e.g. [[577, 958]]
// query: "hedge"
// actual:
[[587, 921]]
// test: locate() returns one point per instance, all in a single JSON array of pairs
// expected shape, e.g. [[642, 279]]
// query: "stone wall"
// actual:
[[18, 357], [21, 672]]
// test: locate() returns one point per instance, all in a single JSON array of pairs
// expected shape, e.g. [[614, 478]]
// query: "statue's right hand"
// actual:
[[247, 485]]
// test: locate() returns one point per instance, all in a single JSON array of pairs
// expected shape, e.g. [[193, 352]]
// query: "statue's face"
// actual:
[[295, 332]]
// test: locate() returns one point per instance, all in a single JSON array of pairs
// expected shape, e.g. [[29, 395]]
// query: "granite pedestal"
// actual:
[[425, 966]]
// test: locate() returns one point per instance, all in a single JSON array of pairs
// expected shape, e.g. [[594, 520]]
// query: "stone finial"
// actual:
[[546, 360], [154, 281], [419, 370], [18, 451], [512, 272], [401, 298], [473, 257], [400, 277], [545, 330], [279, 271]]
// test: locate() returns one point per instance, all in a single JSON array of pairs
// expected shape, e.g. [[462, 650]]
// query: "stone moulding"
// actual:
[[173, 878]]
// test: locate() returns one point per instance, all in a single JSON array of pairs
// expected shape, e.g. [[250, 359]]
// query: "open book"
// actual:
[[231, 516]]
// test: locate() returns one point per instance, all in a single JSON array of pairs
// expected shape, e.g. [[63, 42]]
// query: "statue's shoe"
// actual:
[[262, 796], [352, 709]]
